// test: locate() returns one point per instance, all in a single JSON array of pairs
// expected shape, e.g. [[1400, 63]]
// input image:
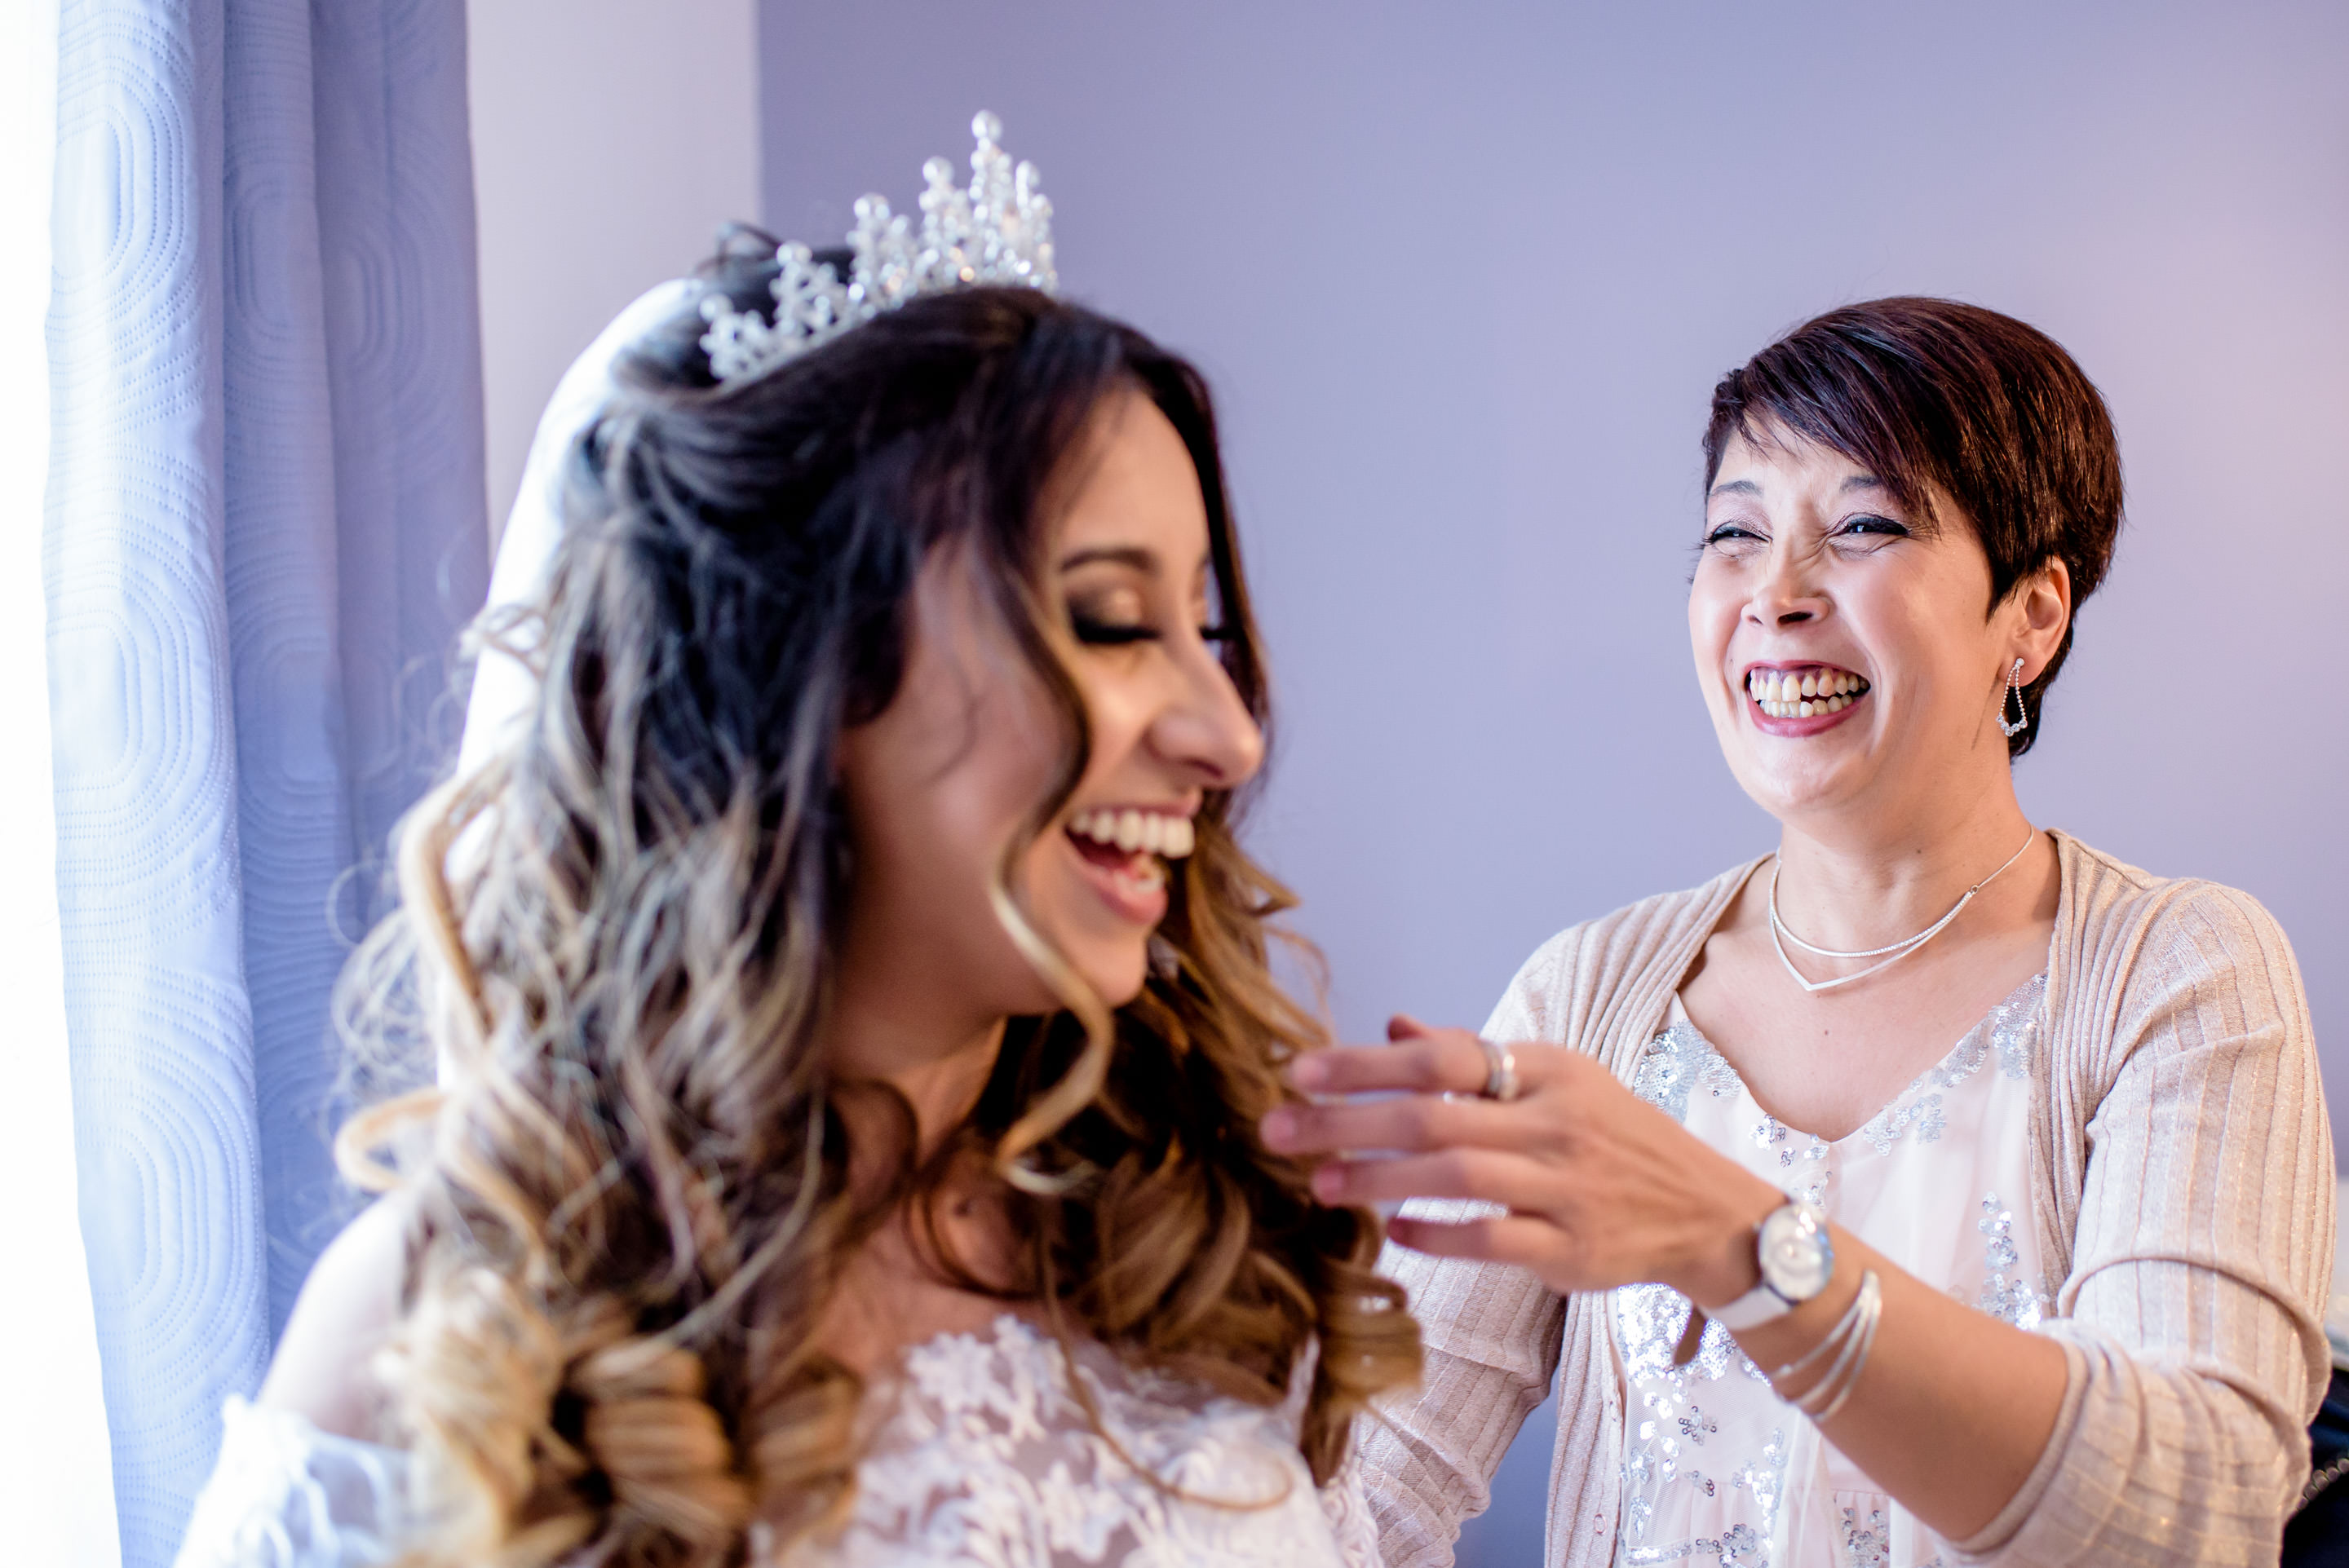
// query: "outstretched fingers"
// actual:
[[1495, 1239], [1407, 1122], [1489, 1175], [1439, 1062]]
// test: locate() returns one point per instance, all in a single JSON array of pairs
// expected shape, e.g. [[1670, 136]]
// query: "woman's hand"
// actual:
[[1601, 1188]]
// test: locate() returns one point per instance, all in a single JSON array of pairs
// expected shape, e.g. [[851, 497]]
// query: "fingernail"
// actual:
[[1309, 1072], [1279, 1127], [1329, 1184]]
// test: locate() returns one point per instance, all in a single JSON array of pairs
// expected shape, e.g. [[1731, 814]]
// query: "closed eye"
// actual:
[[1870, 523], [1111, 634]]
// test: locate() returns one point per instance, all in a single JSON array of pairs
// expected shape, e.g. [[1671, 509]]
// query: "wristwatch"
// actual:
[[1796, 1258]]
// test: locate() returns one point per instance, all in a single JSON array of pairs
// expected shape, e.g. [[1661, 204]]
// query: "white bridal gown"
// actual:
[[987, 1459], [1716, 1468]]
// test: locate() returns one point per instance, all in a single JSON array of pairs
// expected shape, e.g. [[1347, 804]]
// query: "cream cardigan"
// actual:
[[2183, 1189]]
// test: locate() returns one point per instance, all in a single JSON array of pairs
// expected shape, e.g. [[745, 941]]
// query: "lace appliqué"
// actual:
[[286, 1495], [988, 1460], [2006, 1294]]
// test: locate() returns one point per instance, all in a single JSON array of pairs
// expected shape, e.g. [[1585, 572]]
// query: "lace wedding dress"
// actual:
[[988, 1457]]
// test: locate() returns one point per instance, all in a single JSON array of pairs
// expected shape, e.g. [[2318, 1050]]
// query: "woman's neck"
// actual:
[[902, 1035], [1853, 885]]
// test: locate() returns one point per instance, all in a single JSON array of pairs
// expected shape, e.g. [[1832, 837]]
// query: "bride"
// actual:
[[851, 995]]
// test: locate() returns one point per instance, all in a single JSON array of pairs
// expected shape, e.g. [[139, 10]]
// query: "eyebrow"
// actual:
[[1747, 487], [1131, 556]]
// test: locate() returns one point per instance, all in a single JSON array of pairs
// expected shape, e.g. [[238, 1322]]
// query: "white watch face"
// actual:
[[1794, 1253]]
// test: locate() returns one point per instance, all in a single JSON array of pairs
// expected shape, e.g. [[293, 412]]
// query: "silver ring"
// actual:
[[1500, 1071]]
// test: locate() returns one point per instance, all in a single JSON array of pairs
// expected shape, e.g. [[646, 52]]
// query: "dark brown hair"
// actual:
[[1931, 393], [635, 1196]]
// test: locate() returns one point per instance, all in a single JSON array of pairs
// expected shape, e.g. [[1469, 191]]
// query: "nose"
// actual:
[[1787, 593], [1206, 729]]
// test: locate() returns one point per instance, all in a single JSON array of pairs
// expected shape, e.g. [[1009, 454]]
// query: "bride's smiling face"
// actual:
[[943, 782], [1842, 640]]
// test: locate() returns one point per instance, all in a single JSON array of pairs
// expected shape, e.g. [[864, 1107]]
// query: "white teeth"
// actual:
[[1152, 833], [1785, 694]]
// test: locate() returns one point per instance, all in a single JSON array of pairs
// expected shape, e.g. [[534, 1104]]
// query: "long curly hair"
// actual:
[[630, 1184]]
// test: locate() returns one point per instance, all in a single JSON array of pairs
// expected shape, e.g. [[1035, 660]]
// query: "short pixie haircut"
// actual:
[[1929, 393]]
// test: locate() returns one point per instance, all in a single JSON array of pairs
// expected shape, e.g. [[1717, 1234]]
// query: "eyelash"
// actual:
[[1115, 634], [1866, 523], [1870, 523]]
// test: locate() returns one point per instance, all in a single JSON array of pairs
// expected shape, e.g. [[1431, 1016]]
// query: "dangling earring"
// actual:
[[2021, 720]]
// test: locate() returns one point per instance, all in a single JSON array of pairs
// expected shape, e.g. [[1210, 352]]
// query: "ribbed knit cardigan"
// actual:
[[2182, 1188]]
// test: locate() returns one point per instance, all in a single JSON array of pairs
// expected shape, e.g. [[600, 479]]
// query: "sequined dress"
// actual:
[[986, 1458], [1716, 1468]]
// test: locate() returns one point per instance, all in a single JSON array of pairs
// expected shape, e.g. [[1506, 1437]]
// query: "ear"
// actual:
[[2042, 610]]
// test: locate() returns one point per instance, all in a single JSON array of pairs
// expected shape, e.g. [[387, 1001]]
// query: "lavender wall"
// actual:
[[1464, 276]]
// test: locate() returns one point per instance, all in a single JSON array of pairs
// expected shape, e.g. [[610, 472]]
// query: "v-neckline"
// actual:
[[1938, 1074]]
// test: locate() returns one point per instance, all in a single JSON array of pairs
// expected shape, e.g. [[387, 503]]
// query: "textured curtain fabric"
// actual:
[[264, 526]]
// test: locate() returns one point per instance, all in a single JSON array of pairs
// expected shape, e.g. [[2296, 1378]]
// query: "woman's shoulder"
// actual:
[[1582, 969], [2134, 924], [346, 1311], [2145, 957]]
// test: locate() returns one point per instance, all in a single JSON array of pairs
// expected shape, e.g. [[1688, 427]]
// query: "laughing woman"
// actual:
[[1817, 1285], [852, 993]]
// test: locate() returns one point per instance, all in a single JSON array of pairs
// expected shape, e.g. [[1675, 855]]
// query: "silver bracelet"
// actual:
[[1848, 1343], [1867, 1344], [1811, 1399], [1835, 1337]]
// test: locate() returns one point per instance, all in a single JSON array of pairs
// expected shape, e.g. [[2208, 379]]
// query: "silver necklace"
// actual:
[[1897, 950]]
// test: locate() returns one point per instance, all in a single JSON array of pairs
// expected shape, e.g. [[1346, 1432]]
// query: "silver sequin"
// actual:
[[2005, 1295], [1867, 1543], [1676, 1062]]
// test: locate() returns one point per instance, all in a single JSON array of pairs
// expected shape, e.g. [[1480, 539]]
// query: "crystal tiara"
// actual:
[[1000, 232]]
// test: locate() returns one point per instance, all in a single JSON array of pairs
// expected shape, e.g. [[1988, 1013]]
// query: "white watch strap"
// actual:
[[1752, 1310]]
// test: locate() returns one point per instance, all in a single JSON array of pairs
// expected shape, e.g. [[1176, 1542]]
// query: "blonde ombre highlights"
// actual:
[[630, 1183]]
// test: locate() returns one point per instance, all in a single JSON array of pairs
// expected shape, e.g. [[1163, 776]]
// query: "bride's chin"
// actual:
[[1119, 980]]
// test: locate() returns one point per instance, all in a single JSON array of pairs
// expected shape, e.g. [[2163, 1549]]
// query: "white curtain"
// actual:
[[56, 1491], [263, 526]]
